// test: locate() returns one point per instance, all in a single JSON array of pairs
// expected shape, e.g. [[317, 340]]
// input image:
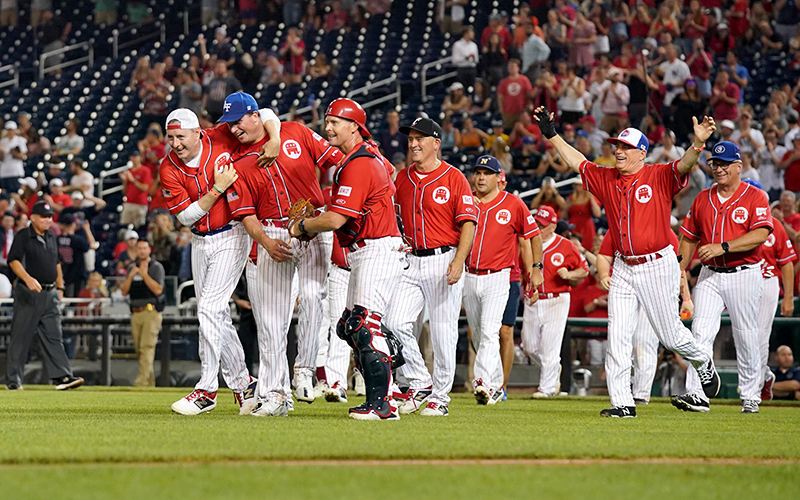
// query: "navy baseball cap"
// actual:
[[424, 126], [632, 137], [489, 162], [236, 106], [726, 151], [754, 182]]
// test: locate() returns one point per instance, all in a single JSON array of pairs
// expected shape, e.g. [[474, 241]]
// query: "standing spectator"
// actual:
[[57, 198], [724, 98], [687, 105], [72, 143], [154, 93], [786, 214], [311, 21], [676, 72], [337, 18], [293, 52], [513, 94], [667, 152], [602, 25], [136, 185], [571, 89], [700, 64], [584, 35], [472, 139], [12, 152], [6, 240], [639, 24], [141, 73], [496, 26], [221, 46], [535, 53], [191, 92], [319, 67], [614, 99], [595, 135], [493, 60], [767, 160], [163, 238], [555, 34], [664, 23], [739, 17], [737, 73], [152, 148], [545, 92], [210, 11], [218, 89], [787, 18], [768, 40], [37, 10], [145, 285], [748, 139], [9, 13], [791, 165], [721, 41], [53, 35], [82, 180], [695, 25], [450, 15], [105, 12], [618, 15], [391, 140], [40, 287], [72, 247], [465, 57]]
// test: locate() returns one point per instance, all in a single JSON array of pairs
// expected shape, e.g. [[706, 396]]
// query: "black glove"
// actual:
[[546, 124]]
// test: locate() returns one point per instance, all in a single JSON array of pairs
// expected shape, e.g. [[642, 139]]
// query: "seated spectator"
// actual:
[[71, 143], [138, 12], [57, 198], [13, 149], [721, 41], [596, 136], [502, 152], [465, 57], [700, 65], [493, 60], [787, 376], [152, 148], [526, 159], [170, 70], [293, 52], [141, 73], [24, 124], [37, 143], [391, 139], [472, 139], [667, 151], [687, 105], [221, 86], [337, 18], [455, 102], [136, 185], [481, 98], [548, 194], [606, 157], [497, 133], [769, 41], [525, 128], [695, 25], [320, 67], [311, 22], [450, 136], [654, 129], [513, 94], [272, 68], [724, 100], [163, 237]]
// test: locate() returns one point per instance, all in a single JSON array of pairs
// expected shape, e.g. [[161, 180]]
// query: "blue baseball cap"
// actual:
[[236, 106], [489, 162], [754, 182], [632, 137], [726, 151]]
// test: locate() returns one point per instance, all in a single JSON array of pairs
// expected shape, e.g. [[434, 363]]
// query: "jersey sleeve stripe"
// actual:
[[763, 223], [689, 233], [175, 207], [531, 233], [471, 217], [787, 258], [323, 154], [244, 209], [345, 209]]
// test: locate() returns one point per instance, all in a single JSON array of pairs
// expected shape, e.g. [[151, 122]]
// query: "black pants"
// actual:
[[36, 314]]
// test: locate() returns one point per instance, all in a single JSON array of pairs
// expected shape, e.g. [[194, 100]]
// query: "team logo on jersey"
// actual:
[[531, 220], [344, 191], [556, 259], [221, 161], [770, 240], [467, 199], [740, 215], [340, 201], [761, 212], [514, 88], [503, 217], [644, 193], [291, 148], [232, 196], [441, 195]]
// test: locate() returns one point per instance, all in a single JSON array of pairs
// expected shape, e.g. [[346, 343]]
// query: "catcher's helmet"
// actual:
[[349, 110]]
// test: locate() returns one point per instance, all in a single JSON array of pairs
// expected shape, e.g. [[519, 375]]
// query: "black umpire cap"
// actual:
[[42, 208], [424, 126]]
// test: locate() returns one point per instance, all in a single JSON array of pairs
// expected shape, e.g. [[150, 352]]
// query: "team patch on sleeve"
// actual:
[[232, 196], [344, 191], [761, 211], [531, 220], [467, 199]]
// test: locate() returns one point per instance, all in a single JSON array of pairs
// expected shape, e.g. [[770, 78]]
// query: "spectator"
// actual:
[[526, 159], [155, 93], [545, 91], [595, 135], [787, 376], [584, 35], [337, 18], [71, 143], [136, 185], [667, 151], [293, 52], [105, 12], [580, 211], [626, 61], [311, 22], [721, 41], [465, 57], [606, 157], [737, 73], [748, 172], [738, 17], [125, 251], [769, 41], [170, 70], [450, 136], [163, 238], [248, 12], [548, 195], [639, 22], [37, 143], [671, 374], [496, 26], [525, 128], [37, 10], [583, 145], [700, 64], [272, 72], [786, 213], [493, 60], [210, 12], [665, 22], [501, 151], [654, 129], [52, 36], [29, 195], [392, 140], [614, 99], [555, 34], [787, 18], [676, 72], [695, 25], [221, 46], [791, 165], [497, 133], [774, 119], [191, 93], [141, 73], [320, 67], [72, 247], [7, 233], [481, 98], [687, 105], [455, 102], [57, 198], [618, 15], [13, 149], [602, 25], [472, 139], [767, 160], [138, 12], [749, 139], [24, 124], [153, 148], [535, 53], [220, 87], [571, 89], [724, 98], [450, 15], [513, 94]]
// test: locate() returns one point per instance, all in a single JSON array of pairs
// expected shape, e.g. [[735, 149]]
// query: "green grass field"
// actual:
[[118, 443]]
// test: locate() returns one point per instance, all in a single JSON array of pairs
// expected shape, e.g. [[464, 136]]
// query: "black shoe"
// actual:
[[640, 401], [709, 378], [67, 382], [620, 412], [13, 386], [690, 402]]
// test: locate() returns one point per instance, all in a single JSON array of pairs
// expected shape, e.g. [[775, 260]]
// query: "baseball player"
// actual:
[[439, 217], [194, 175], [362, 214], [544, 320], [261, 198], [502, 218], [729, 222], [638, 198]]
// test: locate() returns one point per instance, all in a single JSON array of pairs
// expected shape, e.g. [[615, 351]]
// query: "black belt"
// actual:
[[213, 232], [45, 288], [427, 252], [342, 267], [726, 270]]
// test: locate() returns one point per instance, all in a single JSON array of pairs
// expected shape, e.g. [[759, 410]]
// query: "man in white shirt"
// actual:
[[749, 139], [450, 15], [72, 143], [465, 57], [676, 72], [667, 152], [82, 180], [766, 161], [13, 148]]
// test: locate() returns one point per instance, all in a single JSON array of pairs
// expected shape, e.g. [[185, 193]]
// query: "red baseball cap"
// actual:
[[588, 118], [503, 176], [546, 216]]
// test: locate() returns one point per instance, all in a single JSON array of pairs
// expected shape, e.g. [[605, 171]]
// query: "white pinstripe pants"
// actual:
[[424, 283], [543, 325], [645, 358], [740, 293], [217, 263], [485, 300], [653, 287], [766, 313], [338, 354]]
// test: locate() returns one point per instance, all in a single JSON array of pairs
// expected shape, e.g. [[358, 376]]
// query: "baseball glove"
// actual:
[[300, 211]]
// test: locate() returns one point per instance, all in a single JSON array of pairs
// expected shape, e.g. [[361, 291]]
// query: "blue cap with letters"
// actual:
[[489, 162], [726, 151], [754, 182], [236, 106]]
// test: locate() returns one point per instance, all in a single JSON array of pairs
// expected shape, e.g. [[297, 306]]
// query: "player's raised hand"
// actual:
[[269, 153], [544, 118], [278, 249], [702, 131], [226, 177]]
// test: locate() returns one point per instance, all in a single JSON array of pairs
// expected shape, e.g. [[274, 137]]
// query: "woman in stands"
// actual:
[[581, 208], [472, 139], [481, 98]]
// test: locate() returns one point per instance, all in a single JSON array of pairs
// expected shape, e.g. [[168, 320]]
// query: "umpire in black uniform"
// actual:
[[39, 288]]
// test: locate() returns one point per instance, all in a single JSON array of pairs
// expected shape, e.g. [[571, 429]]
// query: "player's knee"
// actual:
[[356, 328]]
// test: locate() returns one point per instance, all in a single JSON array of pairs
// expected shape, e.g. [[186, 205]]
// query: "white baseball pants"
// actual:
[[740, 293], [654, 287], [645, 358], [485, 300], [766, 313], [424, 283], [337, 358], [217, 263], [543, 325]]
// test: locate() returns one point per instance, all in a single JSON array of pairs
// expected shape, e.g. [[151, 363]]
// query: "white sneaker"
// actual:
[[358, 383], [541, 395], [247, 398], [481, 392], [336, 394], [320, 389], [270, 409], [434, 409], [199, 401], [415, 400], [496, 395], [303, 389]]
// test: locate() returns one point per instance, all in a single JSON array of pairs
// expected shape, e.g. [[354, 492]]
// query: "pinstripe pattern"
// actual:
[[645, 358], [543, 325], [766, 313], [485, 300], [217, 263], [338, 353], [740, 293], [425, 283], [324, 327]]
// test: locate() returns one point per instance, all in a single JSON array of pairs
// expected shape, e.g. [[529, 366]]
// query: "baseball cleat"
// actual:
[[505, 394], [434, 409], [496, 395], [358, 383], [195, 403], [709, 378], [303, 390], [320, 388], [690, 402], [415, 398], [270, 409], [481, 392], [68, 382], [367, 411], [247, 398], [13, 386], [336, 394], [749, 406], [541, 395], [766, 391], [619, 412], [640, 401]]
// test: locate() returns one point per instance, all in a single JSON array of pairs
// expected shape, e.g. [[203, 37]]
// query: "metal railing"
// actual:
[[425, 82], [89, 57], [11, 69], [535, 191], [161, 34], [102, 191], [366, 89]]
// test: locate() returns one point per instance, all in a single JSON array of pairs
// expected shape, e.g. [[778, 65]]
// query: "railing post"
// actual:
[[105, 369], [91, 55], [115, 44], [566, 360], [398, 100], [186, 22], [166, 354], [163, 28]]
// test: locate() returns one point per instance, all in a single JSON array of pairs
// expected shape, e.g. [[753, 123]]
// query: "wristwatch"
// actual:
[[725, 247], [539, 265]]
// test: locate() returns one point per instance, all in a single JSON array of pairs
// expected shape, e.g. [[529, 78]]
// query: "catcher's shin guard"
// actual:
[[374, 364], [395, 348]]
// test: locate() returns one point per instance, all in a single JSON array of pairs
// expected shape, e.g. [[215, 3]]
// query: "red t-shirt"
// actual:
[[294, 63], [692, 32], [738, 25], [500, 222], [160, 152], [724, 110], [515, 93], [699, 68], [505, 36], [792, 175], [133, 194], [719, 45], [559, 252]]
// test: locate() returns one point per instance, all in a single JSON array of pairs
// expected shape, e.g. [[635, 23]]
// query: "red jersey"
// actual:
[[777, 251], [713, 221], [364, 192], [500, 222], [133, 194], [589, 294], [62, 199], [637, 206], [607, 249], [557, 253], [182, 184], [433, 205], [339, 253]]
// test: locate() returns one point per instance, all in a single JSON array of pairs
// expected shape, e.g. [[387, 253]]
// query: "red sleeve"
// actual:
[[526, 225], [762, 217], [175, 194], [464, 204], [221, 136], [689, 228], [735, 92], [146, 176], [784, 251], [240, 200], [352, 189], [592, 177], [501, 87], [606, 247], [325, 155]]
